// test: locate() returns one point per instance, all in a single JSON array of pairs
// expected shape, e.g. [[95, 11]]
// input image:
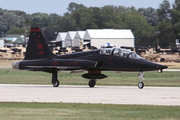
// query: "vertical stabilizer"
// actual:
[[37, 46]]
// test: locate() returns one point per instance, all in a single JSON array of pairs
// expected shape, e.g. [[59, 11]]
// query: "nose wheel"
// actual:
[[141, 84]]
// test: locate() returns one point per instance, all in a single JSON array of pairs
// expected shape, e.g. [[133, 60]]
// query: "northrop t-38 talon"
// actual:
[[40, 58]]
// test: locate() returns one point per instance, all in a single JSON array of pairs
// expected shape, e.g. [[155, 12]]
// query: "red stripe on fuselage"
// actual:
[[35, 30], [94, 72]]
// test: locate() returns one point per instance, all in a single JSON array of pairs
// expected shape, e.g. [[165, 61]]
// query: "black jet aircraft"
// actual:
[[40, 58]]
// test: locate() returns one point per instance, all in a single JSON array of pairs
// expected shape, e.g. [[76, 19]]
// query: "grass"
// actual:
[[56, 111], [169, 79], [59, 111]]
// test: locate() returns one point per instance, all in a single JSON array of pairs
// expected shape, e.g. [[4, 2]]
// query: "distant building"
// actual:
[[78, 37], [15, 39], [69, 40], [96, 37], [117, 37], [1, 43], [60, 38]]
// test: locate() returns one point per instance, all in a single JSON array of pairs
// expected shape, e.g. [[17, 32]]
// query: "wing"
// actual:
[[57, 67], [59, 64]]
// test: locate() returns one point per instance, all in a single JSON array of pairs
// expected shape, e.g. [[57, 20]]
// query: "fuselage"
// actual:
[[107, 59], [111, 60], [115, 59]]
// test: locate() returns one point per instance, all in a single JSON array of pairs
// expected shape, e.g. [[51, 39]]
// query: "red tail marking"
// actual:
[[40, 52], [39, 46], [35, 30], [37, 40]]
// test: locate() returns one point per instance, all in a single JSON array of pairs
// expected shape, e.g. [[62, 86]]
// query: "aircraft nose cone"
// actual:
[[15, 65], [154, 66], [163, 67]]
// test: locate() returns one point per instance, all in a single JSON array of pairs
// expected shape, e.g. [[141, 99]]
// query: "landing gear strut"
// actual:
[[141, 84], [92, 83], [55, 81]]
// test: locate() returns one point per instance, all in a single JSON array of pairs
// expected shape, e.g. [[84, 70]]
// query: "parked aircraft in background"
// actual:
[[40, 58]]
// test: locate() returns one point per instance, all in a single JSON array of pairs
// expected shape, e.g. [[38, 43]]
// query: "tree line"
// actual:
[[142, 21]]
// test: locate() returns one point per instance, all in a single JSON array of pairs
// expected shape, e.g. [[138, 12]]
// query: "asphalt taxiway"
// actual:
[[84, 94]]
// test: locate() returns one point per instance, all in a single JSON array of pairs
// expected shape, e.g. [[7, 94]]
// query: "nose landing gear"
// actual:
[[141, 84]]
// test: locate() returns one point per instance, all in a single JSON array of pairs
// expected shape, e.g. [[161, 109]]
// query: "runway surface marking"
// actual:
[[84, 94]]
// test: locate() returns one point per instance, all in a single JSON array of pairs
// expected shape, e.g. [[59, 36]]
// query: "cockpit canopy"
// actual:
[[119, 52]]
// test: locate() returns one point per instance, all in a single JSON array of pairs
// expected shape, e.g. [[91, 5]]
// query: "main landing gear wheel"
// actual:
[[92, 83], [140, 85], [56, 84], [55, 81]]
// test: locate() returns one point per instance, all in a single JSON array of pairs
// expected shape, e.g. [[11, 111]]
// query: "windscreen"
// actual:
[[106, 51], [125, 53]]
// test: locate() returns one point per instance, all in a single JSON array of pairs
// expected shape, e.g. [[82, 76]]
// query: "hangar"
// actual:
[[69, 40], [78, 37], [61, 38], [1, 43], [118, 37]]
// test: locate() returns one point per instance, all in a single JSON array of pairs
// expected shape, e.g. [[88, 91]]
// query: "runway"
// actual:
[[84, 94]]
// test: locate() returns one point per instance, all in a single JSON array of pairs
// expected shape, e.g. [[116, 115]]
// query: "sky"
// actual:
[[60, 6]]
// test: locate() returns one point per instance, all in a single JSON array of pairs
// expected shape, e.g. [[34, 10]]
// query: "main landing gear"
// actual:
[[92, 83], [56, 84], [55, 81], [93, 75], [141, 84]]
